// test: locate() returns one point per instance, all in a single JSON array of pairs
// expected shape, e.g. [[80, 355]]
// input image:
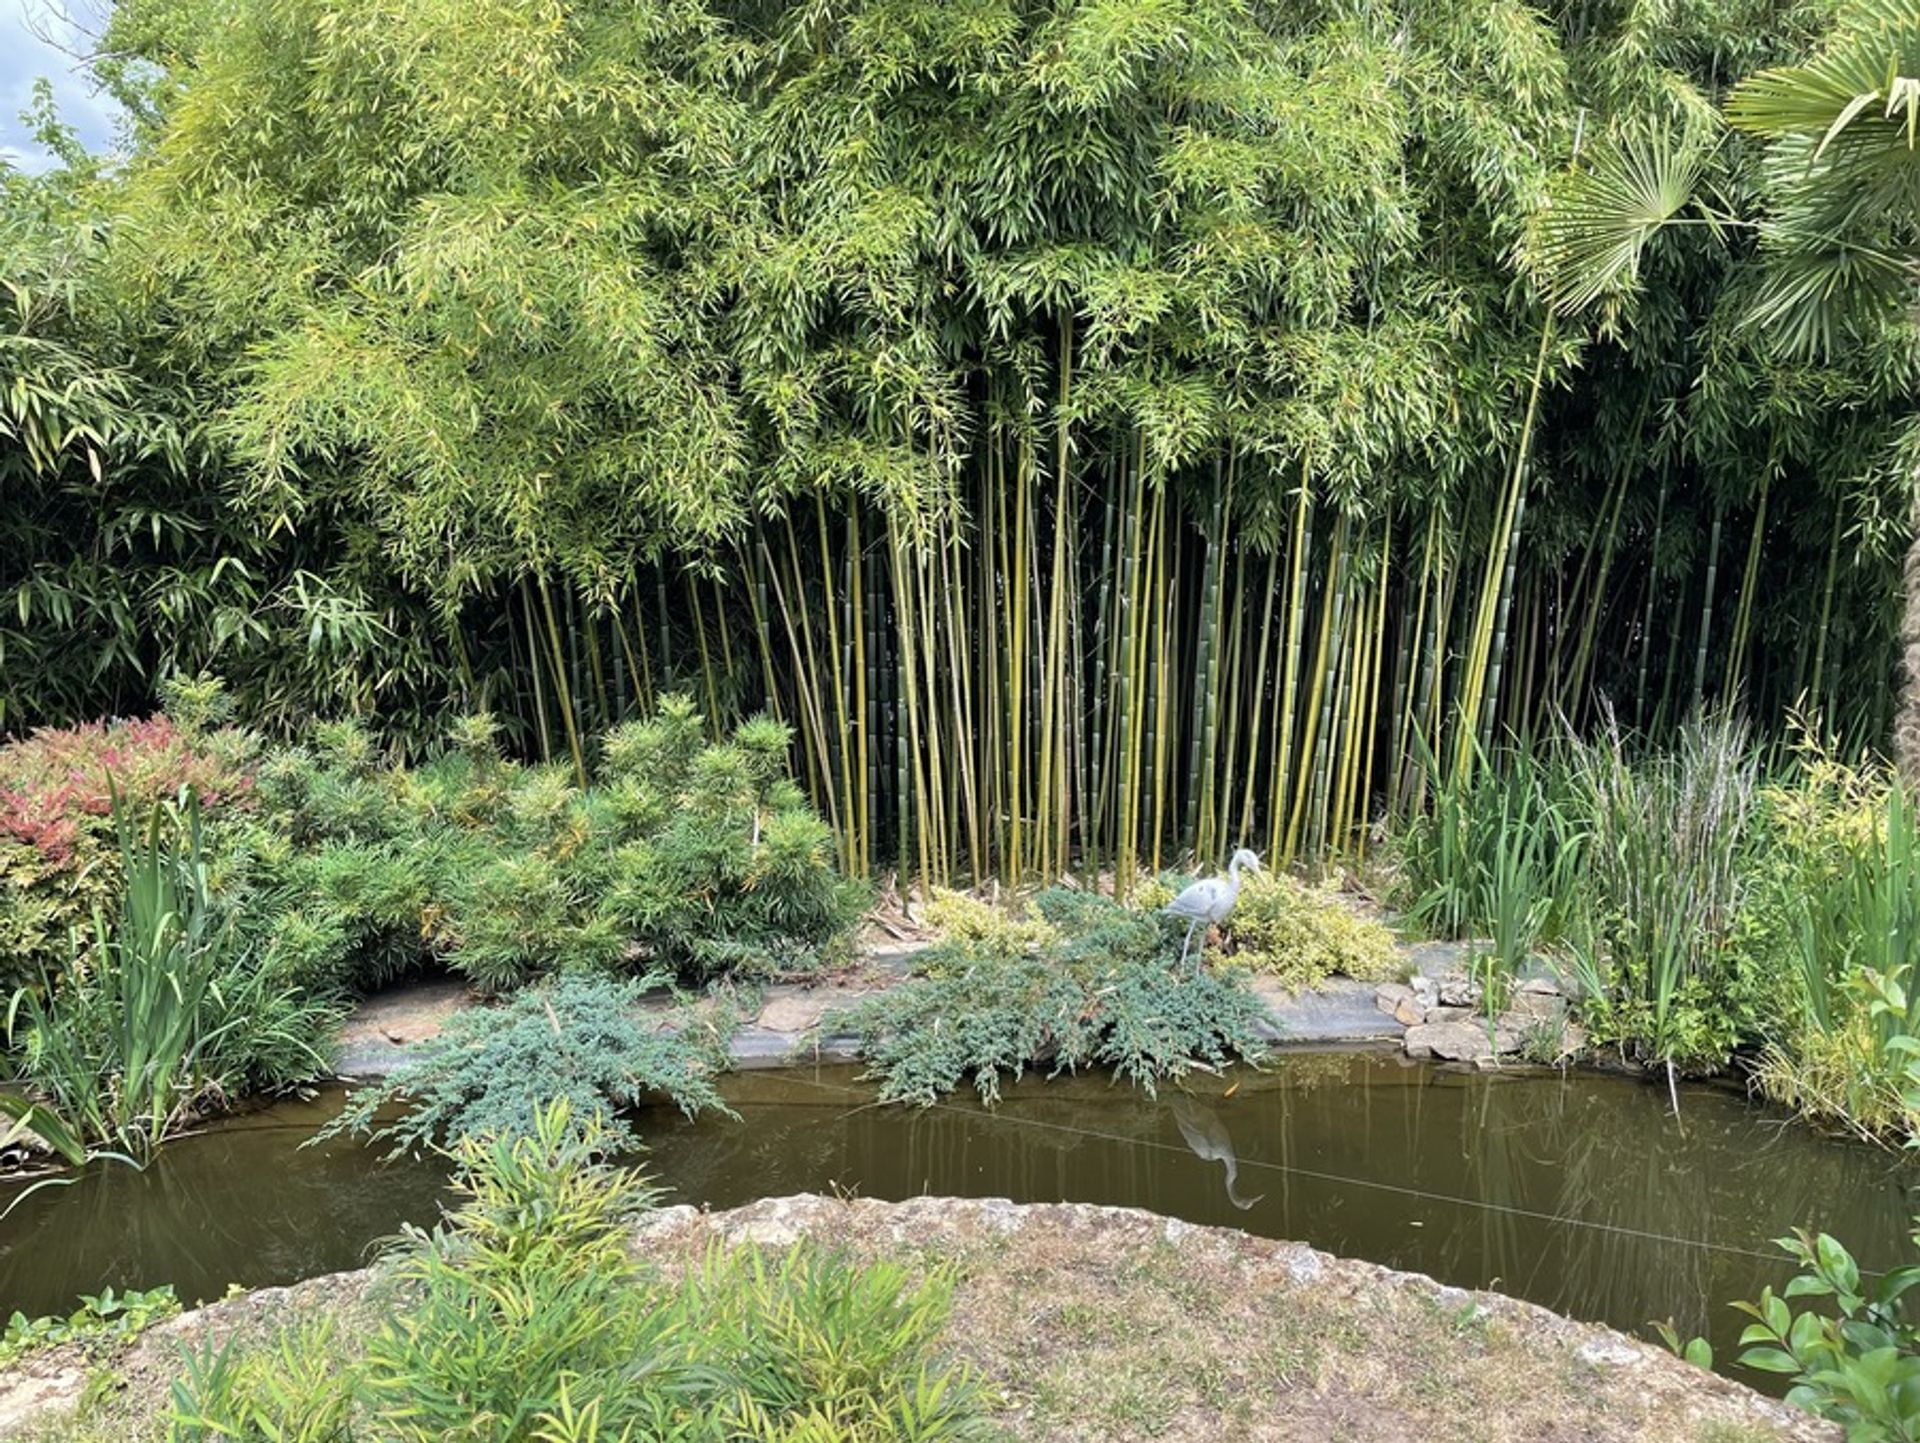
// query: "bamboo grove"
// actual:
[[1107, 431]]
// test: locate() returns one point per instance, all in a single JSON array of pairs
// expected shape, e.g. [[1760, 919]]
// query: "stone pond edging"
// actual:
[[1423, 1014], [1623, 1384]]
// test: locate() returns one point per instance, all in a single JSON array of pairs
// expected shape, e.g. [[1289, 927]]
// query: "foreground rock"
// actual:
[[1112, 1324], [1444, 1017]]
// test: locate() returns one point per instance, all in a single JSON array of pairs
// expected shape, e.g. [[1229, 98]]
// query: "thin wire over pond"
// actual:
[[1580, 1192]]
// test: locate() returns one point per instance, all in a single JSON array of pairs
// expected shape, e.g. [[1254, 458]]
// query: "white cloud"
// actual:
[[26, 56]]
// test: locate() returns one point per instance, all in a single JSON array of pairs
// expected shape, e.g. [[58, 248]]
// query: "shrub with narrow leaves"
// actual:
[[1302, 935], [527, 1315], [1101, 986], [603, 1045], [700, 857]]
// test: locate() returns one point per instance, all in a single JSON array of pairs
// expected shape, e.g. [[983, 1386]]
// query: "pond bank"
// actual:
[[1338, 1012], [1114, 1323]]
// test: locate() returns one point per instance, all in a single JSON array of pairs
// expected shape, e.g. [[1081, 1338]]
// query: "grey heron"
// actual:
[[1211, 900], [1206, 1135]]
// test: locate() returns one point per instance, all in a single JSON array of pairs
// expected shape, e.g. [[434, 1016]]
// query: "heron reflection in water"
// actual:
[[1207, 1135]]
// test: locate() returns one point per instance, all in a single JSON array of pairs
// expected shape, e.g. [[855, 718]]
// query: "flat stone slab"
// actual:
[[795, 1008], [376, 1036], [753, 1049], [1338, 1010]]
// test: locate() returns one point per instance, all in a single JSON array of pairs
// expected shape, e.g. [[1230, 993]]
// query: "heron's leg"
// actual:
[[1189, 940]]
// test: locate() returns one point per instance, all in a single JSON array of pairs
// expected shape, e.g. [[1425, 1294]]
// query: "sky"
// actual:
[[24, 56]]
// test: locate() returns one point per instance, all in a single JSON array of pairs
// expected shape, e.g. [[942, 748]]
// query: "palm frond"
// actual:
[[1600, 216]]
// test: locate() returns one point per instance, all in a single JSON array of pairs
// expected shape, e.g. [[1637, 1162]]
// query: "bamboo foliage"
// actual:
[[1105, 433]]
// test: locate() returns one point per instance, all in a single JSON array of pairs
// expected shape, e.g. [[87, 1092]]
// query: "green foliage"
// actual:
[[976, 927], [1639, 866], [108, 1317], [1695, 1350], [1850, 1050], [40, 1122], [531, 1282], [1497, 852], [832, 1351], [1860, 1367], [702, 858], [168, 1016], [1101, 988], [1302, 935], [600, 1044], [1844, 179], [1703, 905], [296, 1389], [449, 383], [527, 1316], [1666, 881]]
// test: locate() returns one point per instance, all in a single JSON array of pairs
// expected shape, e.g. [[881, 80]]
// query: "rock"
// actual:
[[1425, 993], [1606, 1352], [1452, 1014], [1459, 1041], [1459, 992], [1543, 986], [1303, 1263], [1527, 1007], [30, 1397], [1389, 996], [796, 1011], [1400, 1002]]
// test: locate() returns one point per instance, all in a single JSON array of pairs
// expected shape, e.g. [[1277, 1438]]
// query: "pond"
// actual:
[[1578, 1191]]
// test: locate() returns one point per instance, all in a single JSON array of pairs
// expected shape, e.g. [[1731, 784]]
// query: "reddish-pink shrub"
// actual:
[[58, 783]]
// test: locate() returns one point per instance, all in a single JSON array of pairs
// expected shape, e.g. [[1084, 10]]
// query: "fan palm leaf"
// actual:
[[1843, 133], [1590, 239]]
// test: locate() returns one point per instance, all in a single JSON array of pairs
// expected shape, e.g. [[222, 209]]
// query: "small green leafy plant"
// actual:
[[107, 1316], [1859, 1367]]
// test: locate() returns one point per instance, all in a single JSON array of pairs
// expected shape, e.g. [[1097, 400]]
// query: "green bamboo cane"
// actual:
[[533, 672], [1279, 847], [563, 694], [1818, 689], [1126, 625], [1646, 622], [1258, 703], [1706, 606], [1475, 715], [1320, 695], [1743, 615]]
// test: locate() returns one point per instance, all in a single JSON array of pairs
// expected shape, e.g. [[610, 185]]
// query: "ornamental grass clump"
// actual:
[[1088, 982], [1848, 1049], [1666, 886], [529, 1315]]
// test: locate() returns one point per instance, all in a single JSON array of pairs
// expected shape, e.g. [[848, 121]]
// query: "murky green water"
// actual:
[[1579, 1192]]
